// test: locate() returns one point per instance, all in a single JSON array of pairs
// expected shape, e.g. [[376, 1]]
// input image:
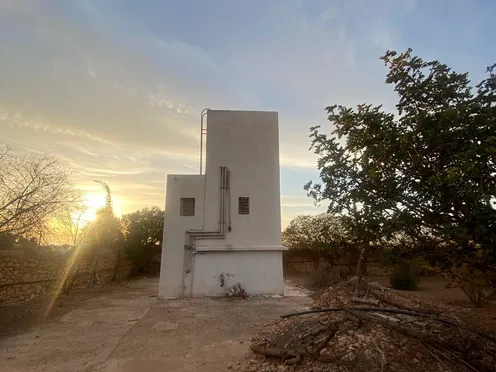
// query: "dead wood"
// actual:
[[331, 358], [400, 305], [360, 269], [323, 343], [365, 301], [400, 333], [289, 356], [390, 318], [395, 311], [427, 339], [386, 323], [448, 355], [426, 347], [294, 356], [314, 332]]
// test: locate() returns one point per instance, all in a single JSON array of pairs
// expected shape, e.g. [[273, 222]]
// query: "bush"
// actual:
[[473, 282], [403, 277], [326, 275]]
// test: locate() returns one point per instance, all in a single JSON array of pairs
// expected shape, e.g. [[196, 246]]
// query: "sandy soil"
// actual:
[[129, 329]]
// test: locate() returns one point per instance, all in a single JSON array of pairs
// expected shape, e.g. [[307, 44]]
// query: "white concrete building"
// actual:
[[224, 227]]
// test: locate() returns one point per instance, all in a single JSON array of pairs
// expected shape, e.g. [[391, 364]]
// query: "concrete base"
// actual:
[[257, 272]]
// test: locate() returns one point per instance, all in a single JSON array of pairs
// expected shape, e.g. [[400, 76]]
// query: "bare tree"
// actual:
[[69, 226], [33, 188]]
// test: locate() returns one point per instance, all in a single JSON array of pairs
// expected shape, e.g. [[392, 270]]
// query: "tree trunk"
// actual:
[[95, 262], [360, 268], [116, 266]]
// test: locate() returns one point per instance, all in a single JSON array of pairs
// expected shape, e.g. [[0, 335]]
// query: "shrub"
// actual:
[[403, 277], [473, 282], [326, 274]]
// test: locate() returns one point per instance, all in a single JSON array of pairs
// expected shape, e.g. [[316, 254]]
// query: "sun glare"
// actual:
[[93, 203]]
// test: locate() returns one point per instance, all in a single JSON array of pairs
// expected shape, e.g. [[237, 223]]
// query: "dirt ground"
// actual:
[[128, 329]]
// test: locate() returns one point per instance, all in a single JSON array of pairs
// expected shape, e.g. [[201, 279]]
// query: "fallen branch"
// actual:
[[390, 318], [394, 311], [435, 356], [427, 339], [390, 301], [289, 356], [443, 352], [320, 328], [360, 269], [293, 356], [389, 324], [324, 342], [331, 358], [365, 301]]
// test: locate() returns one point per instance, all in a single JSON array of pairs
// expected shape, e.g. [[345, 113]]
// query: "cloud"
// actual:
[[382, 39], [127, 110], [291, 201], [82, 84], [115, 88]]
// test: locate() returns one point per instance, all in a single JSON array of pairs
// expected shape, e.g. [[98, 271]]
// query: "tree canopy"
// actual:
[[144, 232], [322, 232], [106, 231], [428, 170]]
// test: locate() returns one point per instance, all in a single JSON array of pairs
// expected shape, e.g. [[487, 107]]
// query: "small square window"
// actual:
[[243, 205], [187, 207]]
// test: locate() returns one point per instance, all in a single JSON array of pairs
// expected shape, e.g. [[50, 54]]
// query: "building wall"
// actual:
[[175, 226], [247, 143], [258, 272]]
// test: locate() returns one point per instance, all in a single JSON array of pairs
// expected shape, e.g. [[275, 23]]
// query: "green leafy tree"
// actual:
[[144, 233], [322, 232], [428, 171], [7, 241], [10, 241]]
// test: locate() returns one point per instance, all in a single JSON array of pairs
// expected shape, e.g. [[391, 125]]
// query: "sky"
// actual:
[[114, 88]]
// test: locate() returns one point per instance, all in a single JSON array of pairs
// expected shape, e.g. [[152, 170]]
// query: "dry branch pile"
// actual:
[[378, 339]]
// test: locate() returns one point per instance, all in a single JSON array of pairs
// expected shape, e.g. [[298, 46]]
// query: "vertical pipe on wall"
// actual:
[[185, 263], [203, 131], [192, 276], [221, 197], [224, 198], [204, 201], [220, 234], [228, 186], [192, 235]]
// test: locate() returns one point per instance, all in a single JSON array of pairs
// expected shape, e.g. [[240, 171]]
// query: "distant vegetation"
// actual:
[[39, 206]]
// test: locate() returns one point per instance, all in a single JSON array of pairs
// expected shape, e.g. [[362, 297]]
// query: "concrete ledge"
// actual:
[[238, 248]]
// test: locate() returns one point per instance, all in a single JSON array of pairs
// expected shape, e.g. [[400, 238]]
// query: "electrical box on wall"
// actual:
[[244, 205]]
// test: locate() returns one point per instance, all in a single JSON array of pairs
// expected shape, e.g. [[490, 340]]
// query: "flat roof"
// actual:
[[254, 111]]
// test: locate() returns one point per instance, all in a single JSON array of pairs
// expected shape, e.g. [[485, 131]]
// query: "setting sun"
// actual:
[[93, 202]]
